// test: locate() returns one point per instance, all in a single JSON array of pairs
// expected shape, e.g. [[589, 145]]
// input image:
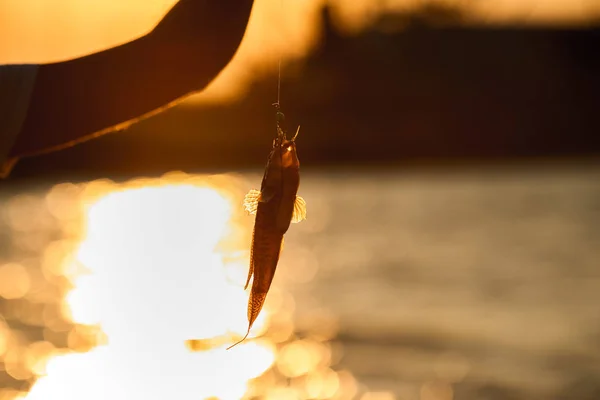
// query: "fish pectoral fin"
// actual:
[[251, 201], [299, 213]]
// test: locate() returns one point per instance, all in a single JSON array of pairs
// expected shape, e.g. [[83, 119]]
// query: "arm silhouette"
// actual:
[[79, 99]]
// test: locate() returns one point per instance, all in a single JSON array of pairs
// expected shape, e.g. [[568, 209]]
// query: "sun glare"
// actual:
[[154, 281], [151, 273]]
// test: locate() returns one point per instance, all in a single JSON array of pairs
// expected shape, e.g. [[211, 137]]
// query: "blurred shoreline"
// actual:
[[25, 179]]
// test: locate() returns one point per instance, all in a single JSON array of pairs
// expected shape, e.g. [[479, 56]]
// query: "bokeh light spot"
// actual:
[[14, 281]]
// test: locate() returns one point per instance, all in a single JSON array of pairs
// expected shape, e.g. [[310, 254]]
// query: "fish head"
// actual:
[[289, 157], [284, 152]]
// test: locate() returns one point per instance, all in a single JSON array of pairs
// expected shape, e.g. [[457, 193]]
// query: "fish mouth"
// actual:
[[281, 133], [282, 141], [282, 136]]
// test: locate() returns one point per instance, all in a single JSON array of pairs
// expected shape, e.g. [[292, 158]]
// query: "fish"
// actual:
[[276, 205]]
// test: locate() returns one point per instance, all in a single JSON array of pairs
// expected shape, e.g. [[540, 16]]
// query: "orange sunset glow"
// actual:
[[450, 246], [48, 31]]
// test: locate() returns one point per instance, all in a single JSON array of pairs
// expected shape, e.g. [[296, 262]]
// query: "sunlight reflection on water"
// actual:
[[147, 280], [399, 285]]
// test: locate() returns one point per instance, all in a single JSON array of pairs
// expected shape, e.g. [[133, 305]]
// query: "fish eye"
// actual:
[[288, 145]]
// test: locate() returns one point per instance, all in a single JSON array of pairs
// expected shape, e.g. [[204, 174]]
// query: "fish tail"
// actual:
[[255, 304], [240, 341]]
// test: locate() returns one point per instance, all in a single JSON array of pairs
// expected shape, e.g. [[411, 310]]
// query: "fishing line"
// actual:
[[279, 64], [279, 81], [280, 117]]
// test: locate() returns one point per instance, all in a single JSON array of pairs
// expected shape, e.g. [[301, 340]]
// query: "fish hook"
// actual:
[[280, 119]]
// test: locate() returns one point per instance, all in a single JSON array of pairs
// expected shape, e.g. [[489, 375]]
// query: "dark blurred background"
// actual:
[[417, 87]]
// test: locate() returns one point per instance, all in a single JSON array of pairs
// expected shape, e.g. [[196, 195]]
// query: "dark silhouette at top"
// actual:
[[76, 100], [420, 93]]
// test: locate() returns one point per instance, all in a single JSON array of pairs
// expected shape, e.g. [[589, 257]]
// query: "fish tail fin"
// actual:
[[255, 304], [241, 340]]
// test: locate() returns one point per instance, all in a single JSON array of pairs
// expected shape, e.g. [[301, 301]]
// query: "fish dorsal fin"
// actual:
[[251, 269], [251, 201], [299, 210]]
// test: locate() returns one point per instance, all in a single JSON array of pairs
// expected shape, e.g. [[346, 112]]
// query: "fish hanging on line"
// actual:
[[276, 205]]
